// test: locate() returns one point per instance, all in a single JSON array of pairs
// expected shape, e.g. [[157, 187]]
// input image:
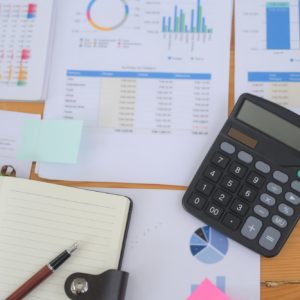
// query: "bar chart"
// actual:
[[187, 24], [280, 16], [179, 23], [220, 282], [17, 26], [268, 34], [278, 25]]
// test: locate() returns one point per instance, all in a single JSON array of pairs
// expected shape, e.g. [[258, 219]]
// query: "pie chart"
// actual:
[[114, 25], [208, 245]]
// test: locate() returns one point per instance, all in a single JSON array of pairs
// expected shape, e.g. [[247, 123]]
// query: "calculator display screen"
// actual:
[[270, 124]]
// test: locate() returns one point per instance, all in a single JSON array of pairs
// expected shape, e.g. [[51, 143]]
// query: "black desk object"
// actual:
[[110, 285], [248, 185]]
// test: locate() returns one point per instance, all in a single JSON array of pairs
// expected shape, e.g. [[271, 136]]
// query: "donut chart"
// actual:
[[208, 245], [97, 26]]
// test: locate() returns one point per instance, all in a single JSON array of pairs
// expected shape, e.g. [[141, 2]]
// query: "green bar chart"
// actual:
[[183, 21]]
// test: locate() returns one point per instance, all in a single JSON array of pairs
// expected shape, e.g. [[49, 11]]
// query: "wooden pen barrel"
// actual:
[[30, 284]]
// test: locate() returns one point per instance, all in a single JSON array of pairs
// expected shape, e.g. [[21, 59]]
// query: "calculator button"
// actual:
[[231, 221], [279, 221], [267, 199], [230, 184], [251, 228], [239, 207], [274, 188], [255, 180], [286, 210], [214, 211], [237, 170], [197, 201], [281, 177], [296, 185], [245, 157], [212, 174], [220, 160], [221, 197], [261, 211], [204, 187], [292, 198], [269, 238], [263, 167], [228, 148], [247, 193]]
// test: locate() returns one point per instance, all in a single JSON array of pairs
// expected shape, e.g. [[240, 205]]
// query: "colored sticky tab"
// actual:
[[208, 291], [54, 141]]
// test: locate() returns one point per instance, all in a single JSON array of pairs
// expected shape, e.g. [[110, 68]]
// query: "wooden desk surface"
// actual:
[[280, 276]]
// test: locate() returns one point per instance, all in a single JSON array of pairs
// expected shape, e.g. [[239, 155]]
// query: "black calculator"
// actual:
[[248, 185]]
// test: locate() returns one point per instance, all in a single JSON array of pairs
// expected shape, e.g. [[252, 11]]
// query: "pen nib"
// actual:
[[73, 248]]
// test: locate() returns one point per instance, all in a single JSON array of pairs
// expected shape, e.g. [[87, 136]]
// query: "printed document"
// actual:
[[150, 81], [26, 29], [268, 50], [169, 252], [10, 138]]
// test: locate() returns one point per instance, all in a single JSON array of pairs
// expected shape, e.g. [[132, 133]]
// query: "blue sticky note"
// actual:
[[53, 141]]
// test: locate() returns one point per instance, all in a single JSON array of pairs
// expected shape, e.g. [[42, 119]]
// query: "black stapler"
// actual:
[[110, 285]]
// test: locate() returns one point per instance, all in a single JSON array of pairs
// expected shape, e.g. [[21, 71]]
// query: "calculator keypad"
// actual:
[[245, 196], [274, 188], [256, 180], [251, 228], [212, 174], [269, 238], [267, 199], [214, 211], [296, 186], [281, 177], [230, 183], [221, 197], [220, 160], [239, 207], [292, 198], [205, 187], [248, 193], [197, 201], [231, 221], [279, 221], [237, 170]]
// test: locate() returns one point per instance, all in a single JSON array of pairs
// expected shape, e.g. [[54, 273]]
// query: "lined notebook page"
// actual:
[[39, 220]]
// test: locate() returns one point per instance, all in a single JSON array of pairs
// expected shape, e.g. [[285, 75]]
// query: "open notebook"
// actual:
[[39, 220]]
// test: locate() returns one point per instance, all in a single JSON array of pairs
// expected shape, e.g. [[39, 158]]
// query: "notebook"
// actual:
[[39, 220], [26, 38]]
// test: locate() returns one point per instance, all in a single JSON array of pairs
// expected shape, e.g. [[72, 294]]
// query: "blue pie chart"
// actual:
[[208, 245]]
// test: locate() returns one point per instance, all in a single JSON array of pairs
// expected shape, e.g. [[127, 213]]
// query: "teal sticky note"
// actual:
[[53, 141]]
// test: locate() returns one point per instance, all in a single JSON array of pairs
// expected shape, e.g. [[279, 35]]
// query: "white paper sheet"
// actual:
[[10, 134], [159, 259], [25, 41], [268, 50], [152, 99]]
